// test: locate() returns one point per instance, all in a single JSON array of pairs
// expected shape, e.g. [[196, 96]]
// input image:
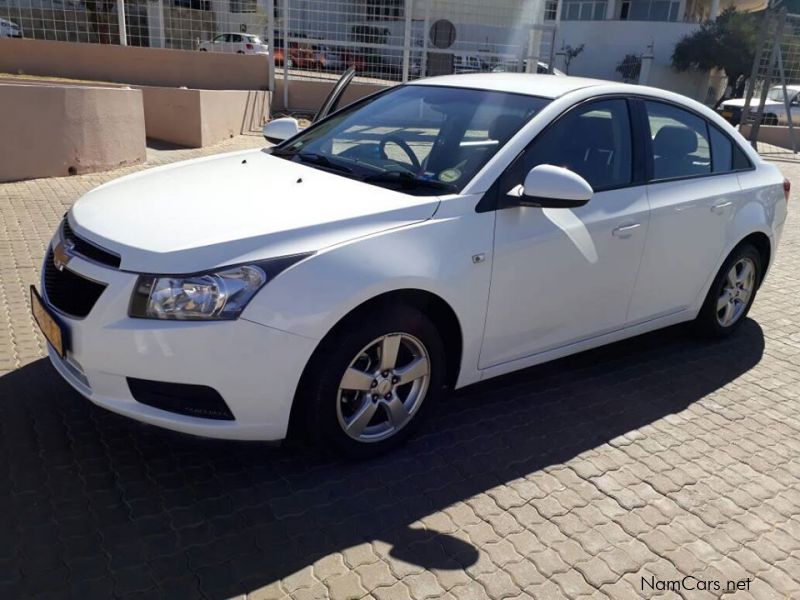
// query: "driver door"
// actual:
[[559, 275]]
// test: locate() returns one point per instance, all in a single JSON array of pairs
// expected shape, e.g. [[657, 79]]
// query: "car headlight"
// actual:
[[216, 295]]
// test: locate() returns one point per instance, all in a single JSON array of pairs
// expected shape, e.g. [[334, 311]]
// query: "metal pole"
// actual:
[[123, 31], [408, 6], [423, 68], [767, 82], [751, 85], [285, 54], [786, 102], [271, 42], [782, 73], [161, 36]]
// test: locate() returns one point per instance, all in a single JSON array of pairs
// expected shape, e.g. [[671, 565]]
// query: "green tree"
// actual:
[[630, 67], [729, 43], [571, 54]]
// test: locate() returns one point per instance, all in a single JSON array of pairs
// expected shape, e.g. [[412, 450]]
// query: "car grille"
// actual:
[[88, 249], [69, 292], [181, 398]]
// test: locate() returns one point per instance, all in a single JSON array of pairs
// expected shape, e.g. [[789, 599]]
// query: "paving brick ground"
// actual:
[[659, 457]]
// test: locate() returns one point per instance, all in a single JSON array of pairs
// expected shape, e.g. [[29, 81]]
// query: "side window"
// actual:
[[740, 160], [593, 140], [721, 151], [680, 144]]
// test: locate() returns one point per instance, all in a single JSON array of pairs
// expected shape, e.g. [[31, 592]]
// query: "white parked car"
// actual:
[[430, 236], [240, 43], [9, 29], [774, 107], [466, 63]]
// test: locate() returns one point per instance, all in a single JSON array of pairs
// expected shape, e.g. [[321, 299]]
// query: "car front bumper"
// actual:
[[254, 368]]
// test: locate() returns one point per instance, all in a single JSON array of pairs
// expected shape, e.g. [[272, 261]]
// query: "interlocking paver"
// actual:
[[656, 457]]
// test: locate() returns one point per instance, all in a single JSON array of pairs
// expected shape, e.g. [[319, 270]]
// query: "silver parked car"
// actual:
[[9, 29]]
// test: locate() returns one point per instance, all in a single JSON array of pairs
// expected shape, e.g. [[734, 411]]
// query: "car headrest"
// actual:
[[504, 126], [674, 141], [596, 132]]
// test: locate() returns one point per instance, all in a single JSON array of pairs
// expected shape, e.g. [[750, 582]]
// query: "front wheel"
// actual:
[[732, 293], [368, 386]]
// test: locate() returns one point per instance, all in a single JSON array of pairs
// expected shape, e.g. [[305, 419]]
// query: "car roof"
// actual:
[[542, 85]]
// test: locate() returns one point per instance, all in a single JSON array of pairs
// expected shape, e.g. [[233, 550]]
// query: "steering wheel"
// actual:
[[404, 147]]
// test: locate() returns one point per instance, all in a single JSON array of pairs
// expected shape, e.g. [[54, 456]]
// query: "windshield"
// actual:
[[419, 139]]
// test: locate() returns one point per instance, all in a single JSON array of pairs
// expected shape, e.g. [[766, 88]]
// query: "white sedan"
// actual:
[[9, 29], [427, 237], [239, 43]]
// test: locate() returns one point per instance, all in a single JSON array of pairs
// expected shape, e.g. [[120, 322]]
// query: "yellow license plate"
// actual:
[[726, 114], [47, 323]]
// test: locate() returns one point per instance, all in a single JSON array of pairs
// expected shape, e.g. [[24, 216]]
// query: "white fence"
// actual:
[[386, 40]]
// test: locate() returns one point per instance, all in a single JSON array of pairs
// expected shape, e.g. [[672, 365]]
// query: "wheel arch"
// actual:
[[763, 244], [760, 240], [432, 305]]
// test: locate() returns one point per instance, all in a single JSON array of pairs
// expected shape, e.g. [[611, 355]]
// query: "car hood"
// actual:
[[739, 103], [234, 208]]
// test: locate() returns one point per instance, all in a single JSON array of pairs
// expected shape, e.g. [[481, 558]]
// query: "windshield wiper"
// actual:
[[409, 181], [313, 158], [322, 161]]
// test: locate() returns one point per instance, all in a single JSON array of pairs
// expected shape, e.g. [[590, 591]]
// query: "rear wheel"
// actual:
[[732, 293], [369, 384]]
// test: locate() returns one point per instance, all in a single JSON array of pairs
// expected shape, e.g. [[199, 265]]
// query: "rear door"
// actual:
[[693, 192]]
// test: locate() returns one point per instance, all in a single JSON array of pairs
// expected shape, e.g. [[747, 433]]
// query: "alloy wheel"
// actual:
[[737, 289], [383, 387]]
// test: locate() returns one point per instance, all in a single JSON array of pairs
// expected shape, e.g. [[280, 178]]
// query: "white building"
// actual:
[[611, 29]]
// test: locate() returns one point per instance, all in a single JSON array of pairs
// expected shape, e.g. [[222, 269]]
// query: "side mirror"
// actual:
[[281, 129], [548, 186]]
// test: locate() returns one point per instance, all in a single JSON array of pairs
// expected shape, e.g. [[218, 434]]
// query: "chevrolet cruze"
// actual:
[[427, 237]]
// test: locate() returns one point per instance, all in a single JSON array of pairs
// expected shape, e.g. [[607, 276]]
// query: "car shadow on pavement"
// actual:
[[95, 505]]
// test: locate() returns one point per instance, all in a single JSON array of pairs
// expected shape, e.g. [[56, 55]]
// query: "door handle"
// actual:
[[624, 231], [720, 208]]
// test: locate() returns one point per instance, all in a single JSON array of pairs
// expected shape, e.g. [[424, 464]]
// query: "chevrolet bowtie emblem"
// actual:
[[62, 254]]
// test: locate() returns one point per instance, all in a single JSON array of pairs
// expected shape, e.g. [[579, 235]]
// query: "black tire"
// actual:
[[319, 391], [769, 119], [708, 322]]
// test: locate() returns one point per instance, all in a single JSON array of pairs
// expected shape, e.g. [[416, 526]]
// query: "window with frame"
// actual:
[[679, 142], [726, 154], [650, 10], [592, 140], [385, 10], [550, 10], [243, 6], [583, 10]]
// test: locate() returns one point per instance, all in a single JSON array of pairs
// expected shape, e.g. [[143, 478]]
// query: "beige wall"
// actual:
[[133, 65], [777, 135], [63, 130], [198, 118], [307, 95]]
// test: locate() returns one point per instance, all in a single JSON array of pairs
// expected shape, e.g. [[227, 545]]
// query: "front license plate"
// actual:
[[726, 114], [50, 327]]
